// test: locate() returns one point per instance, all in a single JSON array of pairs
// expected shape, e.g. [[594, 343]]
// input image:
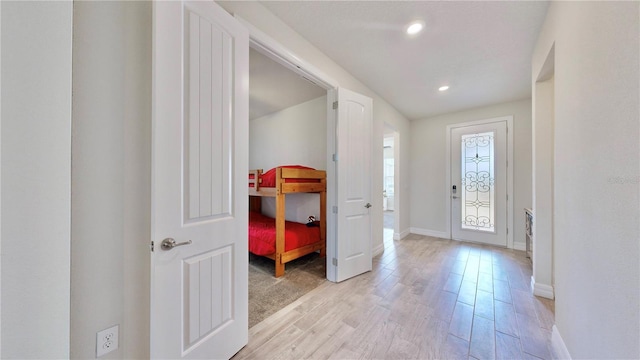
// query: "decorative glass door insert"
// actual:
[[478, 182]]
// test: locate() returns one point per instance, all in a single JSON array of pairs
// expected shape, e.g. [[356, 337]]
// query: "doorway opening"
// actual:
[[287, 126], [543, 236], [345, 111], [389, 181]]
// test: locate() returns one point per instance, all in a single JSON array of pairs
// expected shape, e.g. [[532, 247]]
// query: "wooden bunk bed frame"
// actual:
[[282, 188]]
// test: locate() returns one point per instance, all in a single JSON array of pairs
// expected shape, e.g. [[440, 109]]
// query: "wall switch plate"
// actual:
[[107, 340]]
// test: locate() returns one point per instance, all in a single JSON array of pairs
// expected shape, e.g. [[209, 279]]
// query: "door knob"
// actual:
[[169, 243], [368, 205]]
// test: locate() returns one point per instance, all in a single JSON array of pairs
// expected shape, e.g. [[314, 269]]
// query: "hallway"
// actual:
[[425, 298]]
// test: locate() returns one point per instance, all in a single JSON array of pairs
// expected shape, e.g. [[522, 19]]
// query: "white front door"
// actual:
[[199, 291], [478, 186], [353, 149]]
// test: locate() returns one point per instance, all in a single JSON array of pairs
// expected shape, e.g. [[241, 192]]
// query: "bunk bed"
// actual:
[[292, 240]]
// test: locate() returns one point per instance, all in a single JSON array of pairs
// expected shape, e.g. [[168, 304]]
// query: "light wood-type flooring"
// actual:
[[426, 298]]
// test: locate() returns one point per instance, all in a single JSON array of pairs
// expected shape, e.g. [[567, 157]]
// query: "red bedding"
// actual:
[[269, 178], [262, 234]]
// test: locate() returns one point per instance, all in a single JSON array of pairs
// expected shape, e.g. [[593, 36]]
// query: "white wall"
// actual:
[[293, 136], [268, 23], [596, 176], [428, 166], [111, 178], [36, 178]]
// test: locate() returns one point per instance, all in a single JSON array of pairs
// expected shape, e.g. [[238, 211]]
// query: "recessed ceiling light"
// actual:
[[415, 28], [443, 88]]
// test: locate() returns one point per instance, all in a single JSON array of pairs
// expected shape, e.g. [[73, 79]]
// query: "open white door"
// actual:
[[199, 293], [353, 166]]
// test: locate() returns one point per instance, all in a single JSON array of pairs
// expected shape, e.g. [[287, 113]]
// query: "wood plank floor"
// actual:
[[426, 298]]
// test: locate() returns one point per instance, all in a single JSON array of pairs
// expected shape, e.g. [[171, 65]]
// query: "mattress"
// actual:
[[262, 234]]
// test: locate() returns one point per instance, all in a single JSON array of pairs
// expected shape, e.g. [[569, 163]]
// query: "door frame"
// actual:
[[447, 190], [266, 45], [1, 177]]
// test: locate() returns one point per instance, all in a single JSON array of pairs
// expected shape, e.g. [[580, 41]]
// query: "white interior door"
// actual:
[[353, 146], [479, 183], [199, 293]]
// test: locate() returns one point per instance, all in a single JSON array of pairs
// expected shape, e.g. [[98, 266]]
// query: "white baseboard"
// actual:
[[543, 290], [427, 232], [519, 246], [560, 349], [377, 250], [401, 235]]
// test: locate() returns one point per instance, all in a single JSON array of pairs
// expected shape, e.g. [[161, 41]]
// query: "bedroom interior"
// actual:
[[287, 116], [279, 239]]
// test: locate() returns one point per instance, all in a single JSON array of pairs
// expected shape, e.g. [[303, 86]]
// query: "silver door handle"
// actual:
[[169, 243], [368, 205], [454, 197]]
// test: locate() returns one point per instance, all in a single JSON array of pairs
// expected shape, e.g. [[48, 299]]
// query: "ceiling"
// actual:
[[272, 87], [482, 50]]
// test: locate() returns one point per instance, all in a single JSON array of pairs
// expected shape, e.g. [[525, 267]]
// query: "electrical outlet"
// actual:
[[107, 340]]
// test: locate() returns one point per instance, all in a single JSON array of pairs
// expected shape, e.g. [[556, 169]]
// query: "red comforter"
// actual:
[[262, 234]]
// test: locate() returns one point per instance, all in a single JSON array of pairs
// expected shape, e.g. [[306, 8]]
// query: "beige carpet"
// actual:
[[268, 294]]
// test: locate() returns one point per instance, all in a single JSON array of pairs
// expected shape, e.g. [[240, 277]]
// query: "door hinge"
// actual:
[[507, 231], [335, 105], [334, 261], [334, 209], [335, 157], [507, 197], [152, 246]]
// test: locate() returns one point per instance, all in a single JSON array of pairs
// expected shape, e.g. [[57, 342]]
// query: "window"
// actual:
[[478, 190]]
